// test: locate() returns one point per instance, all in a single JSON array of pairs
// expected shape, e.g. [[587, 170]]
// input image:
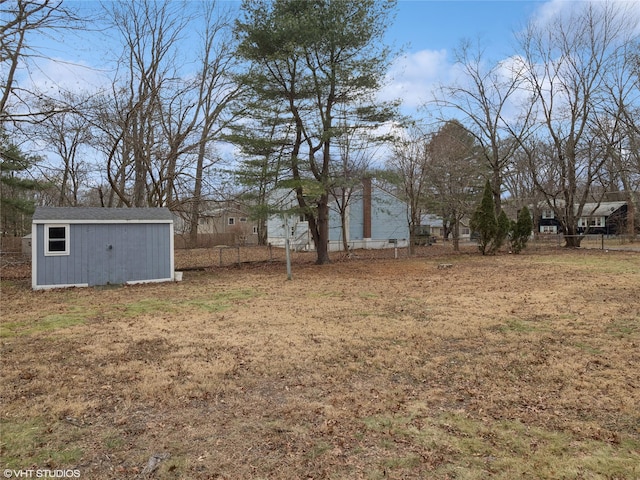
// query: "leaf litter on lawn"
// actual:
[[506, 367]]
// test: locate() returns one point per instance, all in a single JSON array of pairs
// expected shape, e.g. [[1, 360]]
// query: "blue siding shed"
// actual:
[[80, 247]]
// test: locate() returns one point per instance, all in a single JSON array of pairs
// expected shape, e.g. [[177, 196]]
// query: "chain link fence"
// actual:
[[589, 241]]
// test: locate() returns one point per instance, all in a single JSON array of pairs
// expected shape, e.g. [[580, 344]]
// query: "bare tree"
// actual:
[[622, 103], [217, 90], [356, 147], [161, 116], [409, 161], [22, 19], [455, 174], [493, 108], [519, 182], [67, 133], [566, 63]]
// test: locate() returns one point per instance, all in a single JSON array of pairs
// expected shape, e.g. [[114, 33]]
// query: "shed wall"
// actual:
[[101, 254]]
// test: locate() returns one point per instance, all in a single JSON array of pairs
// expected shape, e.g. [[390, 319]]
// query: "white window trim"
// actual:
[[47, 252]]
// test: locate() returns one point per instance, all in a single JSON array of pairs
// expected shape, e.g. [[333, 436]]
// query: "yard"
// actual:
[[514, 366]]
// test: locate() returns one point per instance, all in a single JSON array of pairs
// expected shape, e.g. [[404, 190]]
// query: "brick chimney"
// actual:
[[366, 207]]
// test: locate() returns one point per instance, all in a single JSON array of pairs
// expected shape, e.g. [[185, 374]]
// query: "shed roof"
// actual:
[[78, 214]]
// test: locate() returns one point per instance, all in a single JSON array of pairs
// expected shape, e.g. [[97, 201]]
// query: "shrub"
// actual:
[[521, 230], [492, 229]]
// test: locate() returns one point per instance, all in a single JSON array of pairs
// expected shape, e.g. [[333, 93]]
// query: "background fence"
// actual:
[[11, 244], [594, 241], [214, 255]]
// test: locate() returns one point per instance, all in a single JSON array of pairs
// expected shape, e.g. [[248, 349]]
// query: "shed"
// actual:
[[26, 246], [81, 247]]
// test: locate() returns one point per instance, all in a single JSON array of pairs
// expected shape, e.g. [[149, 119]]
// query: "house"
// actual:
[[608, 218], [375, 218], [228, 218], [80, 247], [221, 223], [435, 227]]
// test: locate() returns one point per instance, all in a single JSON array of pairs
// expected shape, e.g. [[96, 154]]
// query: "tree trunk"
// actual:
[[456, 234], [194, 214], [343, 226], [571, 237], [322, 242], [496, 186]]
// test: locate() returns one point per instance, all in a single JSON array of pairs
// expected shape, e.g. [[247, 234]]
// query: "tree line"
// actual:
[[291, 87]]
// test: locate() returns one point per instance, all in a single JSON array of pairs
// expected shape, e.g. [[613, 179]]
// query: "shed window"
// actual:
[[56, 239]]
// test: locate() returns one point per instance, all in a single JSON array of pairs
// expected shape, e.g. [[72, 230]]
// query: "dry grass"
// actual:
[[506, 367]]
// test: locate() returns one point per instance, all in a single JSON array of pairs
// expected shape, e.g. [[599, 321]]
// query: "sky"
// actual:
[[430, 31], [426, 31], [436, 25]]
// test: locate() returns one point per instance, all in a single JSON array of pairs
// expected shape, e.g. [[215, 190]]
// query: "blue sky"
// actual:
[[430, 27], [437, 25], [428, 31]]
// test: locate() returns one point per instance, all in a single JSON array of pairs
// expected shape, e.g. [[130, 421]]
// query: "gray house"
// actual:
[[80, 247]]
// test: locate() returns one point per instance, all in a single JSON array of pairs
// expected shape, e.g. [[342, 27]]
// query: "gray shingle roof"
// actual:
[[101, 214]]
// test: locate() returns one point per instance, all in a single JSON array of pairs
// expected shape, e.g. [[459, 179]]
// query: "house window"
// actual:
[[548, 229], [56, 240], [255, 229], [232, 221], [243, 219], [548, 214], [591, 222]]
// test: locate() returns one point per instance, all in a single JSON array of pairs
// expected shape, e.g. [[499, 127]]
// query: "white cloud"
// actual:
[[562, 10], [413, 77]]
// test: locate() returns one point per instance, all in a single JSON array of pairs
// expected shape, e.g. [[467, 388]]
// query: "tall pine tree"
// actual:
[[315, 58], [16, 188]]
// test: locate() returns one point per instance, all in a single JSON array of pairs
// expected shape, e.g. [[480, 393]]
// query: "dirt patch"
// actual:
[[503, 367]]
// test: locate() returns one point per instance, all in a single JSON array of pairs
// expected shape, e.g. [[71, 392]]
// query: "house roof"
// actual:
[[602, 210], [97, 214], [431, 220]]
